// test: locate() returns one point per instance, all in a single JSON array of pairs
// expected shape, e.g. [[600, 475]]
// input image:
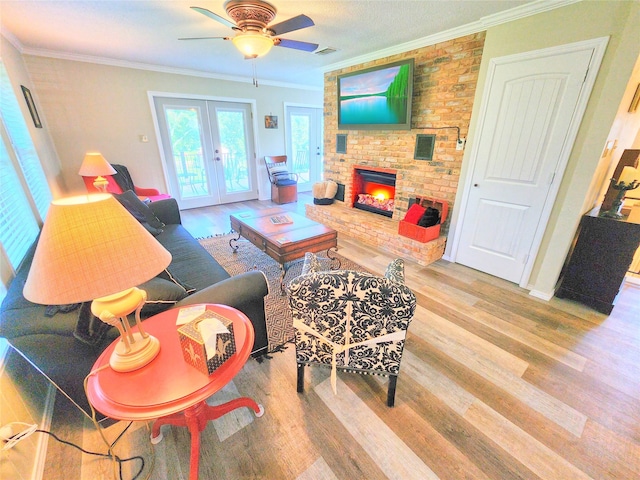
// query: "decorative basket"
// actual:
[[425, 234]]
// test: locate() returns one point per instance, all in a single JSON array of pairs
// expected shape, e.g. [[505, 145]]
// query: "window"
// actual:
[[24, 192]]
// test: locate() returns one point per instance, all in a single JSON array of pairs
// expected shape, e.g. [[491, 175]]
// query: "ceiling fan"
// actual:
[[255, 37]]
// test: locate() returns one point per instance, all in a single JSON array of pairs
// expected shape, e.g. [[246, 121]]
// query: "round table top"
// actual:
[[168, 384]]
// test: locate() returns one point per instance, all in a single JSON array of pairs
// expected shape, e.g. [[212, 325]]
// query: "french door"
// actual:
[[208, 150], [304, 144]]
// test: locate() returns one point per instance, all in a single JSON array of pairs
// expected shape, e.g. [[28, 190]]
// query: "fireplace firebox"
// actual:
[[374, 190]]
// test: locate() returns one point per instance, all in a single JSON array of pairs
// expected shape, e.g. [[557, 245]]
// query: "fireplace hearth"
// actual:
[[374, 190]]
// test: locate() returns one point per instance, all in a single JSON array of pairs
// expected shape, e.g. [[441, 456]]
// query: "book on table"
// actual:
[[281, 219]]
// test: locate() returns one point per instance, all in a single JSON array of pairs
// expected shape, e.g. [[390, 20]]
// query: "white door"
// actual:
[[208, 151], [525, 128], [304, 144]]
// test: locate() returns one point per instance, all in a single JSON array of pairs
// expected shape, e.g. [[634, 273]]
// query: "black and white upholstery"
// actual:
[[351, 321]]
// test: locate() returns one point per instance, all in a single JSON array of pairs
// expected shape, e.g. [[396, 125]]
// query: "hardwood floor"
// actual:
[[494, 384]]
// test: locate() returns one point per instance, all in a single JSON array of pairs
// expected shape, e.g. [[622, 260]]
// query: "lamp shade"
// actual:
[[629, 174], [95, 165], [90, 247], [252, 44]]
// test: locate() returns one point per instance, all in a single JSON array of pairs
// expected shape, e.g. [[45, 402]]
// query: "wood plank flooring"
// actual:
[[494, 384]]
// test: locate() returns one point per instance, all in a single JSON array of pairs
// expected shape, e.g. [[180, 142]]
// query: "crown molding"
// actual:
[[11, 38], [484, 23], [155, 68]]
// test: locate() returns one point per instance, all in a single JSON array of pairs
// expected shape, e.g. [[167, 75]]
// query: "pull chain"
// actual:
[[255, 75]]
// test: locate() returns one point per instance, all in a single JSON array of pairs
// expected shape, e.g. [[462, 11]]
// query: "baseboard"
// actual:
[[43, 442], [42, 414], [632, 279], [542, 295]]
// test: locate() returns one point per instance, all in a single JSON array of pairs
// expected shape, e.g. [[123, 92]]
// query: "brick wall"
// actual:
[[445, 77]]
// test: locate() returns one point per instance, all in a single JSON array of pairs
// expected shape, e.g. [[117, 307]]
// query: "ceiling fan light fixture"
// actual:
[[252, 44]]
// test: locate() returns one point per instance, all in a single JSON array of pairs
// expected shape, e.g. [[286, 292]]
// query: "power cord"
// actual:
[[110, 453], [9, 435]]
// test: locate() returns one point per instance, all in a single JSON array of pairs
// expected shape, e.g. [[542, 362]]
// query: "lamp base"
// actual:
[[100, 183], [134, 350], [140, 353]]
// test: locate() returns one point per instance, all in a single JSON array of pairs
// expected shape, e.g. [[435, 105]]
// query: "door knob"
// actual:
[[475, 184]]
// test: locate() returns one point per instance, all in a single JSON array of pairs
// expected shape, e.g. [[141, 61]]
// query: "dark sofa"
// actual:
[[49, 342]]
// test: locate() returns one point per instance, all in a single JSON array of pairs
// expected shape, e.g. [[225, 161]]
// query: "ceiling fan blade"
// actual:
[[306, 46], [214, 16], [203, 38], [295, 23]]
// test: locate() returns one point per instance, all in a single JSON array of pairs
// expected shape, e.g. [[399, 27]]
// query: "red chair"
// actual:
[[121, 181]]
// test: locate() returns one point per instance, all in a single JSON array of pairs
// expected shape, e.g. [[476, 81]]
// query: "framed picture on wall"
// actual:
[[270, 121], [32, 106]]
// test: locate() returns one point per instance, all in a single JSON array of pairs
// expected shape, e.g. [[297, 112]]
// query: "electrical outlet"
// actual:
[[460, 143]]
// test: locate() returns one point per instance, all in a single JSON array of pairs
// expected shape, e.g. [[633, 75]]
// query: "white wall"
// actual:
[[93, 107]]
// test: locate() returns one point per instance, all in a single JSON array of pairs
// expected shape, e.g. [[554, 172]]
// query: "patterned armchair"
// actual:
[[351, 321]]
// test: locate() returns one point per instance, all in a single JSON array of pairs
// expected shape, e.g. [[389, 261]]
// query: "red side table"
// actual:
[[168, 389]]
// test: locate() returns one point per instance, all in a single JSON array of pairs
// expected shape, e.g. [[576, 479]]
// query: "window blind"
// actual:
[[24, 192]]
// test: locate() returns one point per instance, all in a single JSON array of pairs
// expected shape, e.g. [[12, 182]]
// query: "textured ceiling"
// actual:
[[146, 32]]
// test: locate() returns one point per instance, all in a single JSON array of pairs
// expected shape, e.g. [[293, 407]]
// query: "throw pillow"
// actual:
[[140, 211], [280, 173], [414, 213], [395, 271]]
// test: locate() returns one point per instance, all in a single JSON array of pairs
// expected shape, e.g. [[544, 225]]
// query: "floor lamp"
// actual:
[[92, 249]]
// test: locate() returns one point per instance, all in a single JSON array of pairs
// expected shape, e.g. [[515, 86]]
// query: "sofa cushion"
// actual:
[[190, 261], [161, 295]]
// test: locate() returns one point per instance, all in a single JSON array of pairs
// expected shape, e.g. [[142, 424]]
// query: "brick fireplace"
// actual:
[[444, 86], [370, 224]]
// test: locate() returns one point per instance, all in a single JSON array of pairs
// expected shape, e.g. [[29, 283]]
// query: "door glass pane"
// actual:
[[300, 131], [186, 147], [233, 146]]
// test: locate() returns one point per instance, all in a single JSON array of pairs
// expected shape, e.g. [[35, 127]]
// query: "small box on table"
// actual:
[[209, 353]]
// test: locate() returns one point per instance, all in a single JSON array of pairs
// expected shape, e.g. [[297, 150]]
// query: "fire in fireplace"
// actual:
[[374, 190]]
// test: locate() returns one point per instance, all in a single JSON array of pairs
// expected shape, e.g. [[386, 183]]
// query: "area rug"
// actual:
[[249, 257]]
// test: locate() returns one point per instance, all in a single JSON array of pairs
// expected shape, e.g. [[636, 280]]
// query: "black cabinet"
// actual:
[[601, 254]]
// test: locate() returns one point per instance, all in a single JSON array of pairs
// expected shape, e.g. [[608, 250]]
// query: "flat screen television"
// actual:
[[377, 98]]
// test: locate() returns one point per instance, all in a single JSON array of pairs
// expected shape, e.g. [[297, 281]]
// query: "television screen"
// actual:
[[377, 98]]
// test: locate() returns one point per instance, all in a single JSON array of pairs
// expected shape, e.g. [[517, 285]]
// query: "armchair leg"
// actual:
[[391, 393], [300, 378]]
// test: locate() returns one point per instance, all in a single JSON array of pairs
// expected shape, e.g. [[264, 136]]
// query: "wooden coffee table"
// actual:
[[284, 242]]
